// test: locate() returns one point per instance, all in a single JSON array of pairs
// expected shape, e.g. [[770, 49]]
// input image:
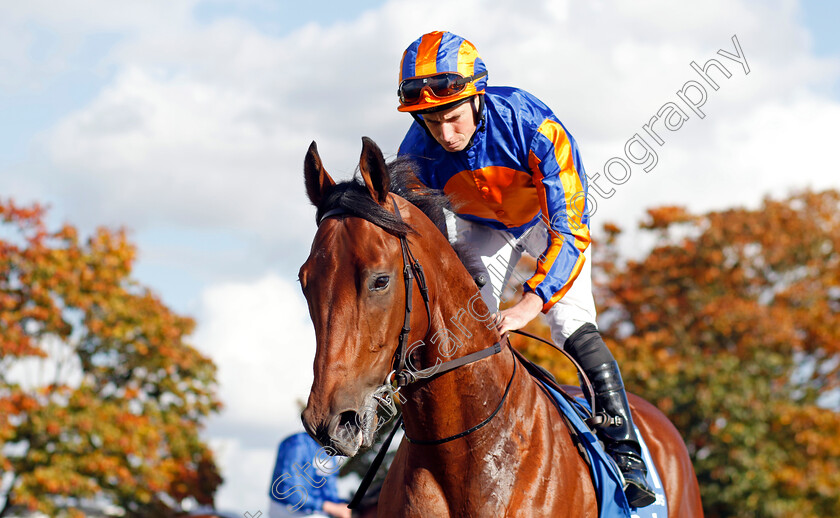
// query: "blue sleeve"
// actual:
[[558, 175], [328, 492], [296, 482]]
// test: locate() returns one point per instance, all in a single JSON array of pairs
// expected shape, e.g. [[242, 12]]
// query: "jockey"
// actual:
[[518, 185]]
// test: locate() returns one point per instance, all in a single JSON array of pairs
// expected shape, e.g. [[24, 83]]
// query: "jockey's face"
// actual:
[[452, 128]]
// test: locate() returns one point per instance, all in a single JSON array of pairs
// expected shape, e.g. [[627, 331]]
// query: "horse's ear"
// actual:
[[315, 176], [374, 171]]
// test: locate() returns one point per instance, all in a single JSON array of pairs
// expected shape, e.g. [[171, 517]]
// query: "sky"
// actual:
[[187, 121]]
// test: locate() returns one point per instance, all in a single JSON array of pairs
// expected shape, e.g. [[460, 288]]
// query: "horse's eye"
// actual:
[[380, 283]]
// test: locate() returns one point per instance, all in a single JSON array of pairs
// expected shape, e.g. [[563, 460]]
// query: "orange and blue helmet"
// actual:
[[439, 69]]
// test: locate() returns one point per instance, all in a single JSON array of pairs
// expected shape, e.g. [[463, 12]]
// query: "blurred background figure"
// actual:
[[304, 481]]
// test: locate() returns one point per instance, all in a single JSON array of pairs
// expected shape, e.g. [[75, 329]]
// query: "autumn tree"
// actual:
[[731, 325], [101, 398]]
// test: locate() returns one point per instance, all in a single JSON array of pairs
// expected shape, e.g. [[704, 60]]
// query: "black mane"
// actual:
[[353, 199]]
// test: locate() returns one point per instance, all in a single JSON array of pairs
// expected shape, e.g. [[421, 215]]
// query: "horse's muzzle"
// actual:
[[344, 433]]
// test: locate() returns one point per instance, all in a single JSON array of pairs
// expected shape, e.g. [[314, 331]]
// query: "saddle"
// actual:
[[606, 478]]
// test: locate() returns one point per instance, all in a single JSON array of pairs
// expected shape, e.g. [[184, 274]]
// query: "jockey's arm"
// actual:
[[558, 178], [518, 315]]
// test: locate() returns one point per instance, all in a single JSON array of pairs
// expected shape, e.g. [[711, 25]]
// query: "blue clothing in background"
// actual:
[[304, 475]]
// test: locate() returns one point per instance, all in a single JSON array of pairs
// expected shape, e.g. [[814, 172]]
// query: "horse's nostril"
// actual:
[[317, 431], [346, 433], [348, 418]]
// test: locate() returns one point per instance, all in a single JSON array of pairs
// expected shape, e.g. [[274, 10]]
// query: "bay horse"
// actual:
[[521, 461]]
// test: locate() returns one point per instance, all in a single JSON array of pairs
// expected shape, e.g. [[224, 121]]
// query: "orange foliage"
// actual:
[[127, 430], [731, 325]]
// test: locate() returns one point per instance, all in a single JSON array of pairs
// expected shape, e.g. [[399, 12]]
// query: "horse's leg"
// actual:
[[671, 458]]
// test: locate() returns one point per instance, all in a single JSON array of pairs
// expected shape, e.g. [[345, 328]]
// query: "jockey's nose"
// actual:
[[446, 131]]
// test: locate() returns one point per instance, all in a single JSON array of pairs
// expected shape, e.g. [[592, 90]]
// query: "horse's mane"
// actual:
[[353, 197]]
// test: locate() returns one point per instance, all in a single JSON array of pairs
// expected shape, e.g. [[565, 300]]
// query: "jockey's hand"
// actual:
[[521, 313], [337, 510]]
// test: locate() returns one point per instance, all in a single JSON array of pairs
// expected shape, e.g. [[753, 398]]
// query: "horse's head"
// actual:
[[353, 284]]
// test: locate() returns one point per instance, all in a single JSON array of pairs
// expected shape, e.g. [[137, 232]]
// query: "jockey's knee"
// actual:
[[587, 347]]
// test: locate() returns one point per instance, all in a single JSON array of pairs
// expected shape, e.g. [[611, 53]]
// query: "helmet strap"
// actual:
[[478, 117], [478, 113]]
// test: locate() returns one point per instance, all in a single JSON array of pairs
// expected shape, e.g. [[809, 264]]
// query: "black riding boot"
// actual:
[[619, 434]]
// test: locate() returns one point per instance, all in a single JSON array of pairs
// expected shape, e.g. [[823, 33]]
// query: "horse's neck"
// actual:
[[459, 399]]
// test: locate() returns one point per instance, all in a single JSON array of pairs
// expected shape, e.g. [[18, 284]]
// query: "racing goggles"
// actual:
[[441, 86]]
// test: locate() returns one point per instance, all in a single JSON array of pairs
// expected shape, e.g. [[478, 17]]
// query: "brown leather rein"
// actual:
[[402, 376], [413, 272]]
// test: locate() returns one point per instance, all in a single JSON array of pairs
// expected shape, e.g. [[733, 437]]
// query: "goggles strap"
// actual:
[[473, 77], [462, 82]]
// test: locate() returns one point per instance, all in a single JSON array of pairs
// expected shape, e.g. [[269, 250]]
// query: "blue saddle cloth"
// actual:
[[605, 474]]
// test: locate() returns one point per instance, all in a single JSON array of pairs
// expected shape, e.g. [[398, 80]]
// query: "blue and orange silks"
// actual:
[[521, 167]]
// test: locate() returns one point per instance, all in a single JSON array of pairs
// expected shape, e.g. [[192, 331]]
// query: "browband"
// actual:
[[338, 211]]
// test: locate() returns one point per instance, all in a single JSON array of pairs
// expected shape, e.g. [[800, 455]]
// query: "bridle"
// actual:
[[401, 376]]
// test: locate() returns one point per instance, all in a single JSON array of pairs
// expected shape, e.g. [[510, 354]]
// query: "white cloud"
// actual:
[[208, 124], [40, 40], [247, 472], [261, 339], [783, 146], [155, 149], [60, 366], [775, 149]]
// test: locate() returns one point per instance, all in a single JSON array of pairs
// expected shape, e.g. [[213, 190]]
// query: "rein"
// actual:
[[435, 442], [596, 418], [402, 376], [413, 271]]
